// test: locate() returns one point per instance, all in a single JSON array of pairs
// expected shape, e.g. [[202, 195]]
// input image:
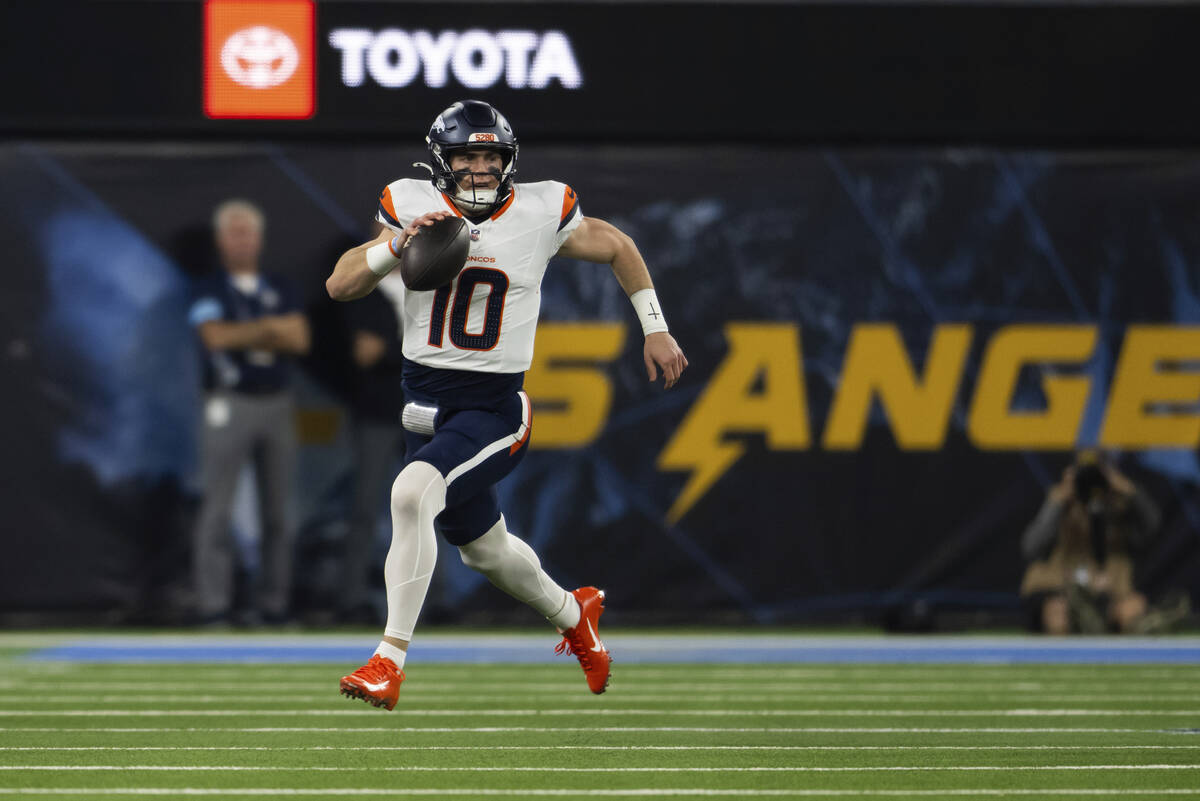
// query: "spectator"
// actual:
[[376, 399], [250, 327], [1081, 547]]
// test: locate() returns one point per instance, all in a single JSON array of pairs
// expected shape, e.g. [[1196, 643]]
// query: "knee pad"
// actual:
[[486, 552], [418, 487]]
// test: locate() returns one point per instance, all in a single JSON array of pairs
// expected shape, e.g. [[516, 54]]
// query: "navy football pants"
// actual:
[[473, 449]]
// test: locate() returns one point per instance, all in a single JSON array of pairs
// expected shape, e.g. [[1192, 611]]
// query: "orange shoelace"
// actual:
[[571, 644], [376, 669]]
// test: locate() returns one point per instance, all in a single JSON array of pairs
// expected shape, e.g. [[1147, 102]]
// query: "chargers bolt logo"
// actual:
[[259, 57]]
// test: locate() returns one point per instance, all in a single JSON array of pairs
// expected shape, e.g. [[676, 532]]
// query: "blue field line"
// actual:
[[637, 649]]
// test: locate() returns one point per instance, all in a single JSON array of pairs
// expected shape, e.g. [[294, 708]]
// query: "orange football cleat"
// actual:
[[583, 641], [377, 682]]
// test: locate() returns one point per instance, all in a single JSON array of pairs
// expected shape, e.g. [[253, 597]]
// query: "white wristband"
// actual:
[[383, 258], [649, 311]]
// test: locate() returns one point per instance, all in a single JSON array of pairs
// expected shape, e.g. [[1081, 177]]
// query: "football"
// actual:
[[433, 257]]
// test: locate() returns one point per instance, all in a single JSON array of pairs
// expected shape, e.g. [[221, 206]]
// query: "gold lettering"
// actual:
[[758, 352], [1140, 383], [571, 399], [993, 425], [877, 365]]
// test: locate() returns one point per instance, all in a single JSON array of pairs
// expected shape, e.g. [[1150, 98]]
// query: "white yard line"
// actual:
[[307, 748], [501, 729], [663, 640], [573, 695], [450, 672], [563, 769], [469, 712], [639, 684], [575, 792], [451, 677], [834, 670]]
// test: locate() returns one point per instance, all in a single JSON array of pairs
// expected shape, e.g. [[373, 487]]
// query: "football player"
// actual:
[[466, 349]]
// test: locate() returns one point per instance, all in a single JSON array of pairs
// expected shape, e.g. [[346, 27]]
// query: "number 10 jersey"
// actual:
[[485, 320]]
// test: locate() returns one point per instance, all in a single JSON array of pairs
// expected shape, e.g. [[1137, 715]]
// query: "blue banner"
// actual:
[[893, 354]]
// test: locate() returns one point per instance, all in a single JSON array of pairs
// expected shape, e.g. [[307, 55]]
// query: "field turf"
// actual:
[[466, 731]]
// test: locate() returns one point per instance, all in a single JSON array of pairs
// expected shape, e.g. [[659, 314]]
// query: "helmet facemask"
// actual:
[[473, 199], [476, 198]]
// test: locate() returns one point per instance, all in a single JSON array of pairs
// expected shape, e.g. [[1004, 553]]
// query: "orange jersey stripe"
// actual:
[[450, 203], [569, 201], [507, 203], [385, 200]]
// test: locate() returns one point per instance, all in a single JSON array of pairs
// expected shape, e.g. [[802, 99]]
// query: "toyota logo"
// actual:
[[259, 57]]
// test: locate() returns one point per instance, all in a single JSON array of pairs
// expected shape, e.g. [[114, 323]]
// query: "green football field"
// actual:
[[90, 730]]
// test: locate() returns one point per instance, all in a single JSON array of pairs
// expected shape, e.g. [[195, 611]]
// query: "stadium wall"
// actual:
[[893, 352]]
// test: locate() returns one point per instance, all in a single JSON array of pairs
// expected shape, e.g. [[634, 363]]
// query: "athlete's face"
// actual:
[[485, 167], [239, 241]]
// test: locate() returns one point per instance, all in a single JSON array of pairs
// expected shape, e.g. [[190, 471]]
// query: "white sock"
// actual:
[[418, 495], [568, 616], [392, 652], [511, 565]]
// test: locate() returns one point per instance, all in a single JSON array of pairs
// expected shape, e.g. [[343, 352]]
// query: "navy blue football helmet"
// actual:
[[472, 124]]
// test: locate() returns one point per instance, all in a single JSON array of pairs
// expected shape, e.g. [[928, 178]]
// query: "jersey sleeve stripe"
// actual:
[[568, 216], [570, 201], [387, 210], [389, 219]]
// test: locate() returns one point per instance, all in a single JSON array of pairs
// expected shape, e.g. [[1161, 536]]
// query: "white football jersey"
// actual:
[[484, 321]]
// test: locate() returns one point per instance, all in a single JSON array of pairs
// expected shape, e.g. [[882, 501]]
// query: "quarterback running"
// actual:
[[466, 348]]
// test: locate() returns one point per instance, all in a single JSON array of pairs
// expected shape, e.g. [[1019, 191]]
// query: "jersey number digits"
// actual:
[[467, 281]]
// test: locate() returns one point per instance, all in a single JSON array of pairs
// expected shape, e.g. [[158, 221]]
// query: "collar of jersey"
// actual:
[[495, 215]]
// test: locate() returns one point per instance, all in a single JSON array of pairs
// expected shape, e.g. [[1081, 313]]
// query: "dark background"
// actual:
[[818, 165], [1038, 74]]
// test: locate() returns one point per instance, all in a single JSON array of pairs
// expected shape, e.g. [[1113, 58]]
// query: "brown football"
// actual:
[[436, 255]]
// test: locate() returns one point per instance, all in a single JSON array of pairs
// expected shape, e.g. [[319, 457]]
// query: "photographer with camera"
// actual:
[[1080, 547]]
